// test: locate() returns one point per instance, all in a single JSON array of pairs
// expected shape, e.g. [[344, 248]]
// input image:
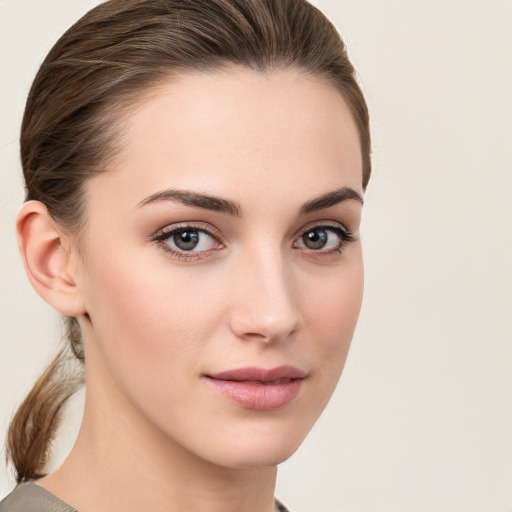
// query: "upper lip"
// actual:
[[255, 374]]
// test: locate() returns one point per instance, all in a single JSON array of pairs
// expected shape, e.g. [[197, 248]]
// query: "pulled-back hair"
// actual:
[[89, 80]]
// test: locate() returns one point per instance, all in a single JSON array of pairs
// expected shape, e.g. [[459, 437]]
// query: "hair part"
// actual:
[[96, 72]]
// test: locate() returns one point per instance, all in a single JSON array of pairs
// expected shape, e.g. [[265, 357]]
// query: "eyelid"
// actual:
[[346, 236], [327, 224], [204, 227], [168, 231]]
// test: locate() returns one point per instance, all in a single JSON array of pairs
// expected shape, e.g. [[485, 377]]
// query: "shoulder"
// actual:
[[29, 497]]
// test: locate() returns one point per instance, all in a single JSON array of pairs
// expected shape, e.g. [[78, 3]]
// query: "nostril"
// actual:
[[256, 336]]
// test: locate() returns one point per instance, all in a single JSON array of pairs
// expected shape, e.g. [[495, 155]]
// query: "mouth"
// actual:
[[258, 388]]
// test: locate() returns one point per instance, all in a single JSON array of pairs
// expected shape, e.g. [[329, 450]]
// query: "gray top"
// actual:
[[30, 497]]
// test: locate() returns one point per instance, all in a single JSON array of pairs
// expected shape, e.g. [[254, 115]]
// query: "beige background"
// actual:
[[422, 419]]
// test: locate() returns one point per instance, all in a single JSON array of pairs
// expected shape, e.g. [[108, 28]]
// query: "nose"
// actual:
[[264, 306]]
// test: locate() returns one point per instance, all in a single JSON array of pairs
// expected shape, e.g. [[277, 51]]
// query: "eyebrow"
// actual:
[[217, 204], [197, 199], [331, 199]]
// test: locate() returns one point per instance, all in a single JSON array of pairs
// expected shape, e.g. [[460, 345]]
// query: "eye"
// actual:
[[187, 241], [324, 239], [191, 239]]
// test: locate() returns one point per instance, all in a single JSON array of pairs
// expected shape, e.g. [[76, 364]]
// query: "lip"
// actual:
[[258, 388]]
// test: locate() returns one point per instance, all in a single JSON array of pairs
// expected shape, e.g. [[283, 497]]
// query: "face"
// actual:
[[221, 266]]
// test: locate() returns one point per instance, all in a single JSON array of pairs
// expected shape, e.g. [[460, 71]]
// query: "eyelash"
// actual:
[[161, 236], [345, 237]]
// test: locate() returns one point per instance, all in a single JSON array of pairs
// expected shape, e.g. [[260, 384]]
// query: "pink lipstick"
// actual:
[[257, 388]]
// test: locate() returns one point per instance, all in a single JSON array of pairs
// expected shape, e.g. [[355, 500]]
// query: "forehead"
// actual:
[[235, 130]]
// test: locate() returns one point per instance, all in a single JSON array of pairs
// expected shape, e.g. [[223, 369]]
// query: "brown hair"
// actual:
[[96, 70]]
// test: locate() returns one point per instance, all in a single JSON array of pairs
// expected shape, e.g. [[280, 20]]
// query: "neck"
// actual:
[[119, 463]]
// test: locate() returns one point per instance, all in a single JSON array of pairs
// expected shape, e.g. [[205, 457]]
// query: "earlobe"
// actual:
[[47, 260]]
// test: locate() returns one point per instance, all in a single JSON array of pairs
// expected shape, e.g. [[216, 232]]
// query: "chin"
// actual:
[[259, 456], [257, 445]]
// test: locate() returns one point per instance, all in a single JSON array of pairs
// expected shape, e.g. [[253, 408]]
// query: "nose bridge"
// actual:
[[265, 307]]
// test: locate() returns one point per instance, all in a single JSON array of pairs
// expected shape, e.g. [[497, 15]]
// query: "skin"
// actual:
[[155, 436]]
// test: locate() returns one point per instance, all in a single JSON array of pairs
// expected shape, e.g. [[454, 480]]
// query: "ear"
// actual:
[[47, 257]]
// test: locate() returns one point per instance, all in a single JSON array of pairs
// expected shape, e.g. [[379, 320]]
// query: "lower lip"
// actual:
[[256, 395]]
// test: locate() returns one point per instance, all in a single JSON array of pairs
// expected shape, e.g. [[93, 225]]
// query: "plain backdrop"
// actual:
[[422, 418]]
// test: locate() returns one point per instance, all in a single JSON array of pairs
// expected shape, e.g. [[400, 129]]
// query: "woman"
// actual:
[[195, 173]]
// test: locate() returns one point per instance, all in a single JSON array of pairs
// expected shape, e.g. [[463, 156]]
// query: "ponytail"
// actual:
[[33, 427]]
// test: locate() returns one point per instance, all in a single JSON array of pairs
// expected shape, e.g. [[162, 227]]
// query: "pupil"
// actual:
[[186, 240], [315, 239]]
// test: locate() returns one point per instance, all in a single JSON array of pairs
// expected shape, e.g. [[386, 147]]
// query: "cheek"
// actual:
[[331, 315], [148, 316]]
